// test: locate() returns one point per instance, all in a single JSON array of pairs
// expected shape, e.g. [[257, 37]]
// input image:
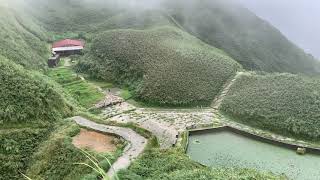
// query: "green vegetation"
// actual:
[[161, 66], [57, 158], [29, 106], [27, 96], [22, 40], [253, 42], [283, 103], [77, 18], [102, 84], [16, 148], [85, 93], [169, 56], [125, 94], [172, 164]]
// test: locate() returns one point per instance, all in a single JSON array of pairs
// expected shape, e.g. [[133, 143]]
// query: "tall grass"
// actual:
[[85, 93], [163, 65], [96, 167], [285, 103]]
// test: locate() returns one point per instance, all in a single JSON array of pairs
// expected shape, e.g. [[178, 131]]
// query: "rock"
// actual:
[[301, 151]]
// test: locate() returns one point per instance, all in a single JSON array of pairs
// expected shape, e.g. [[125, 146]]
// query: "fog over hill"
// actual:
[[296, 19]]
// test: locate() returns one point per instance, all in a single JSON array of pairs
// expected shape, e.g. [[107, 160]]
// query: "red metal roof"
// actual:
[[68, 43]]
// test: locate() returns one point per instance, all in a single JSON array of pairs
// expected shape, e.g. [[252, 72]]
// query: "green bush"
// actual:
[[154, 163], [284, 103], [22, 39], [163, 65], [83, 92], [57, 157], [16, 149], [174, 165], [219, 174], [27, 96]]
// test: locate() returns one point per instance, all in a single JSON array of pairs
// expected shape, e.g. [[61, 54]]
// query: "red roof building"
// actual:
[[67, 47], [67, 43]]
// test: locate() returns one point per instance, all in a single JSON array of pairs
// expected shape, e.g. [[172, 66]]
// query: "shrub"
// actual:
[[173, 165], [284, 103], [83, 92], [16, 149], [163, 65], [22, 40], [58, 158], [154, 163], [27, 96]]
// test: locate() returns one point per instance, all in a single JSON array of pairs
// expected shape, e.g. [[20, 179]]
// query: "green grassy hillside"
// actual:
[[84, 93], [29, 106], [27, 96], [251, 41], [16, 148], [170, 54], [280, 102], [22, 40], [93, 16], [163, 65], [226, 25]]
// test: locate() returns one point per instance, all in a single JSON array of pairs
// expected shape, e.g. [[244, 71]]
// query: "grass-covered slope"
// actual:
[[57, 157], [81, 16], [22, 40], [163, 65], [16, 148], [27, 96], [85, 94], [251, 41], [224, 24], [29, 106], [173, 165], [280, 102]]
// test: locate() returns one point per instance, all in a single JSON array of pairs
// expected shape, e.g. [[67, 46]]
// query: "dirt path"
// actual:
[[93, 140], [132, 151], [218, 100]]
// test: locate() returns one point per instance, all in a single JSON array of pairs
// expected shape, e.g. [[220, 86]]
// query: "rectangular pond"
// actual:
[[229, 149]]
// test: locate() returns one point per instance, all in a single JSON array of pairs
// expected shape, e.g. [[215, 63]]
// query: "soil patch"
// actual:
[[95, 141]]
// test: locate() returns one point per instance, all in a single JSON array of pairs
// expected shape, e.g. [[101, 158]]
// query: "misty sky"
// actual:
[[297, 19]]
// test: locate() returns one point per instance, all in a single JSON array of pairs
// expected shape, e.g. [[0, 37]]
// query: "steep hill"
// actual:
[[169, 53], [22, 40], [29, 107], [27, 96], [251, 41], [163, 65], [224, 24], [283, 103], [83, 16]]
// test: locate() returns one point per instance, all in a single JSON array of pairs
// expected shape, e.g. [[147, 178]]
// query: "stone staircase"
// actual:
[[218, 100]]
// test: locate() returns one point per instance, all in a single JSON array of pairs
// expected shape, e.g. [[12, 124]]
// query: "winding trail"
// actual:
[[136, 146], [218, 100]]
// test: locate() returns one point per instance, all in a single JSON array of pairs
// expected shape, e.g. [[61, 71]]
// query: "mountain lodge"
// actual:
[[64, 48], [67, 47]]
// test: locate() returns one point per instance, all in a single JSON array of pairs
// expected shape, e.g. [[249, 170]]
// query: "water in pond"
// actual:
[[228, 149]]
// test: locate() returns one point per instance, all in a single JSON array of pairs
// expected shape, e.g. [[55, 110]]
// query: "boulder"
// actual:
[[301, 151]]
